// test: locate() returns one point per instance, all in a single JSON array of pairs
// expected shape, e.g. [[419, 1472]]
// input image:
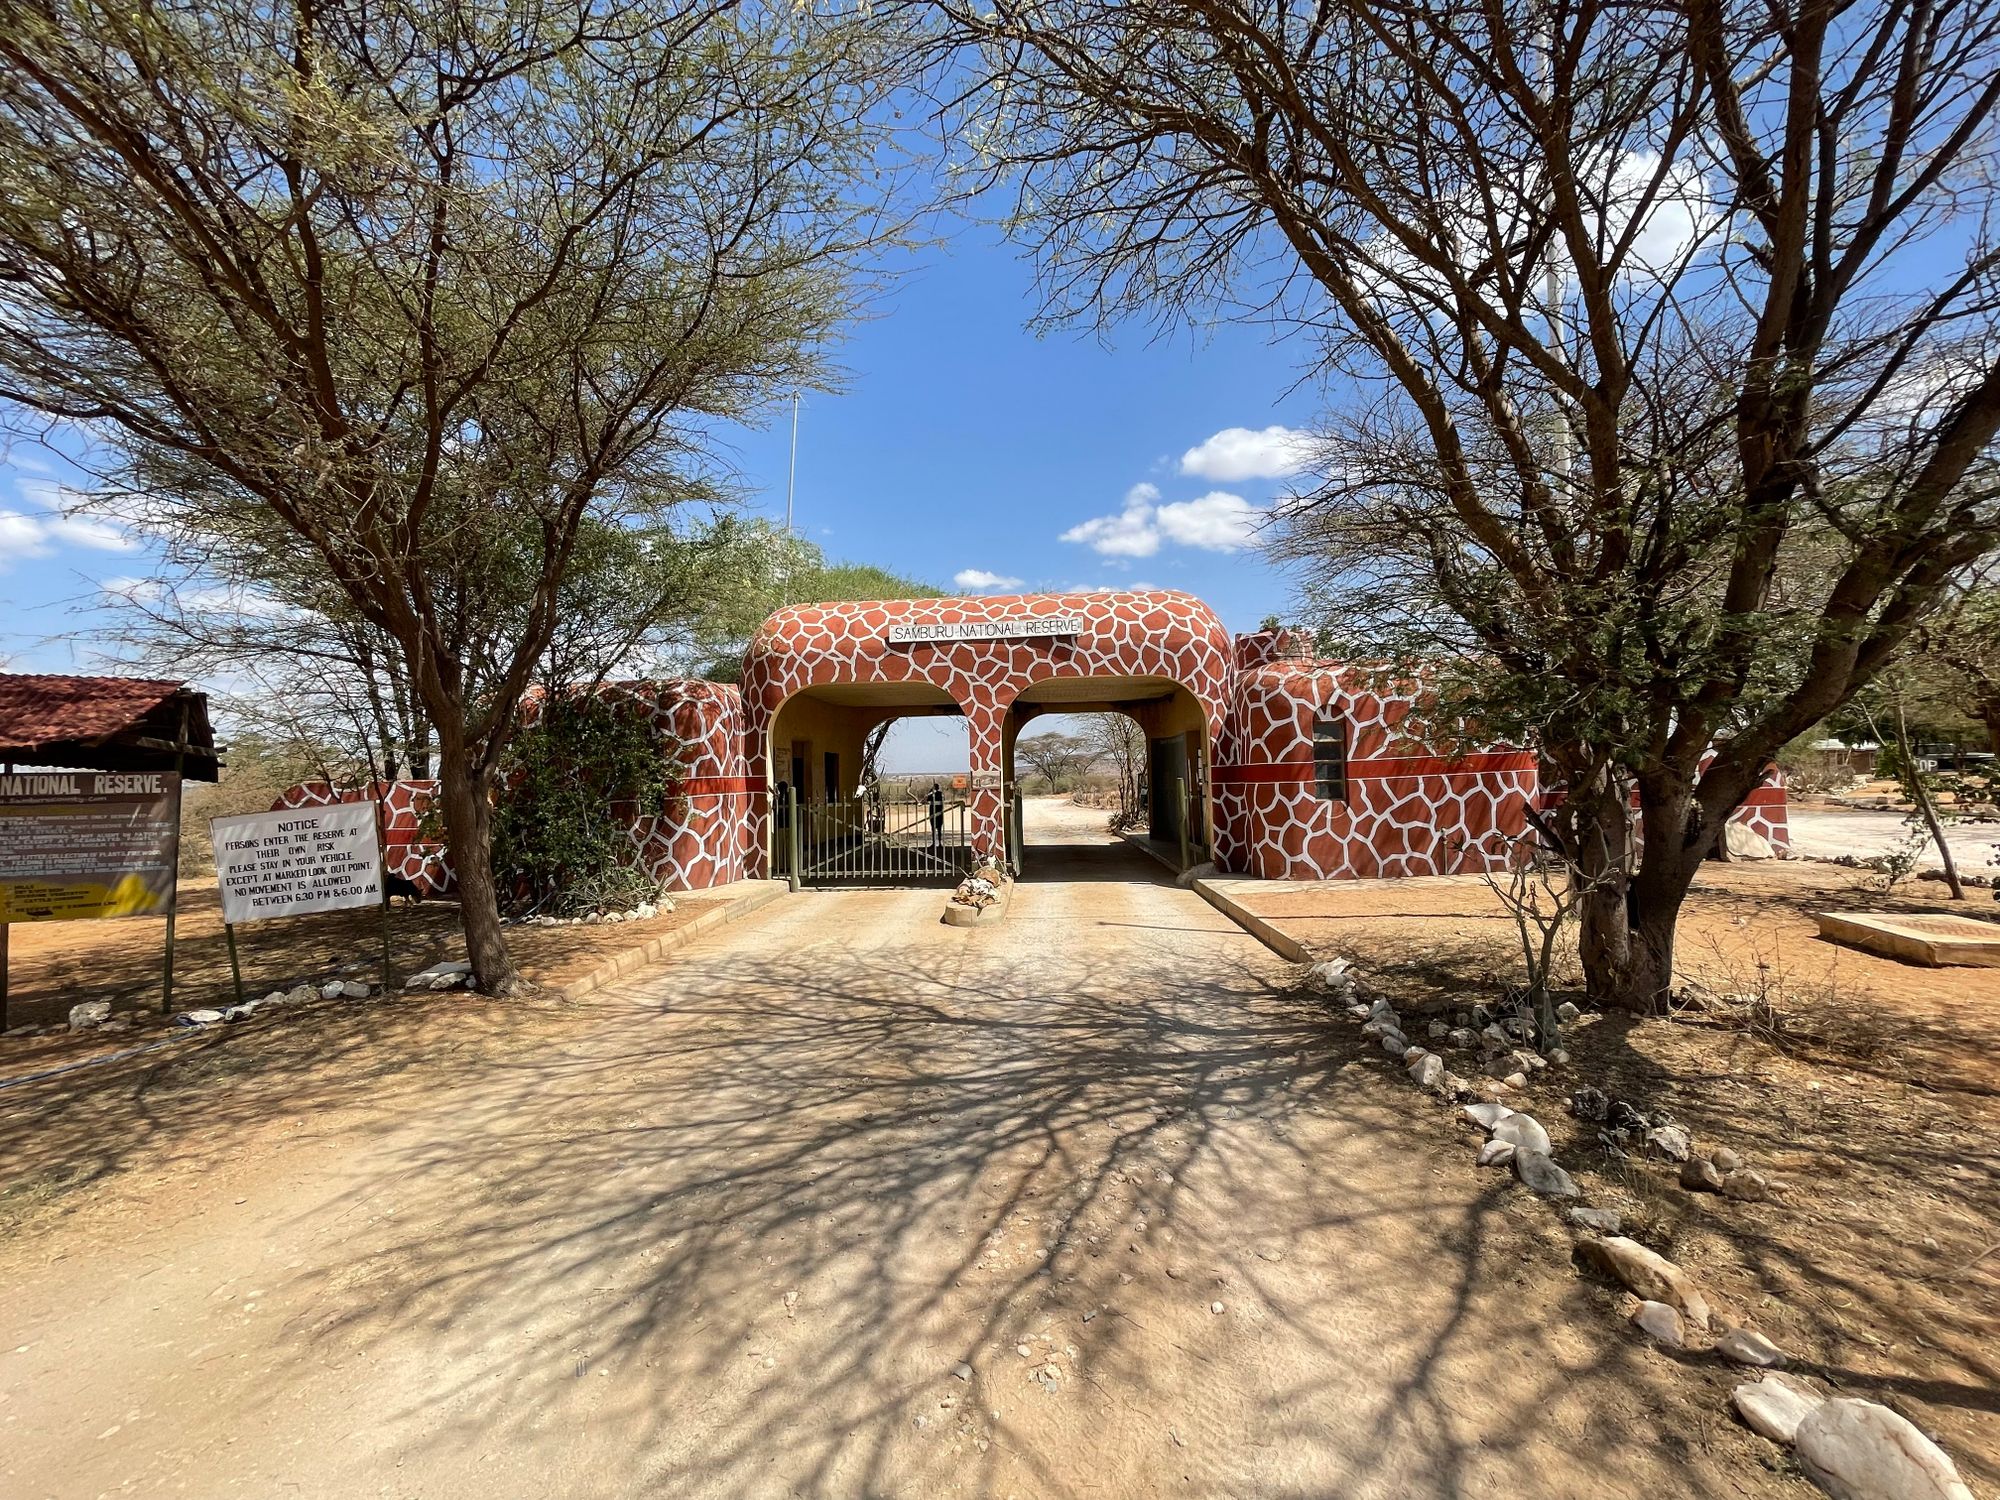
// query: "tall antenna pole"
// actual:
[[791, 486], [792, 479]]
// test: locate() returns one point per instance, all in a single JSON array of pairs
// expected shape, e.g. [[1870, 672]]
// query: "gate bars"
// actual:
[[870, 839]]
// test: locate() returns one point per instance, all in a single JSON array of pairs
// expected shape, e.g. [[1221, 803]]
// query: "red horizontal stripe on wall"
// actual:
[[1381, 768], [714, 786]]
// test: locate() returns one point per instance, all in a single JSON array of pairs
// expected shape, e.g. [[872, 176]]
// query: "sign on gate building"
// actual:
[[76, 844], [288, 864]]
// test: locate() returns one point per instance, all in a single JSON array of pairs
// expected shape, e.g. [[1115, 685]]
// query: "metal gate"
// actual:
[[870, 840]]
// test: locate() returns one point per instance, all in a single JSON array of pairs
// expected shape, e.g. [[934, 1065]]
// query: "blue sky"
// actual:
[[964, 448]]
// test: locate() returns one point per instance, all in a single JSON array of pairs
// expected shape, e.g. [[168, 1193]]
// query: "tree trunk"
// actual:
[[1920, 794], [468, 835]]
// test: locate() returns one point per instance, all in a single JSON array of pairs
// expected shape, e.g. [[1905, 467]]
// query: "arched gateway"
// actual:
[[818, 677], [1295, 768]]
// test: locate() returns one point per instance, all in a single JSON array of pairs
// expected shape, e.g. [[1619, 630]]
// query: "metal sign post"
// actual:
[[235, 968], [173, 889], [382, 847]]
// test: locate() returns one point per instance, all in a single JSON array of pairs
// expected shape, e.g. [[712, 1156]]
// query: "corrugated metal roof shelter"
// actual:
[[106, 724]]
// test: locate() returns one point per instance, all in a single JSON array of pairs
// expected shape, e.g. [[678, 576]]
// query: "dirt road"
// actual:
[[844, 1203]]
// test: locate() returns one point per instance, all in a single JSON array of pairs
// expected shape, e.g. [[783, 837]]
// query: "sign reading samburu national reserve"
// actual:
[[1034, 627], [76, 844], [287, 864]]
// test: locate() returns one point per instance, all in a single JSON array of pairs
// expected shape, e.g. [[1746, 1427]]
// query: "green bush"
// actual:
[[575, 782]]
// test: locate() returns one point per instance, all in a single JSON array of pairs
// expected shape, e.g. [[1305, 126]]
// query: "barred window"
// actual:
[[1330, 759]]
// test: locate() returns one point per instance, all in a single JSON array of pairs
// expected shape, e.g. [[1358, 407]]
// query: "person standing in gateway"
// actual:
[[934, 799]]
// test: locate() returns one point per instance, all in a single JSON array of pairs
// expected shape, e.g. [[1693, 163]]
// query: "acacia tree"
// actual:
[[1056, 757], [1963, 637], [1662, 338], [419, 291]]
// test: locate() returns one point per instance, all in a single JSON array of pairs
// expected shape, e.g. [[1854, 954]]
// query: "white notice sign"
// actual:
[[285, 864], [1033, 628]]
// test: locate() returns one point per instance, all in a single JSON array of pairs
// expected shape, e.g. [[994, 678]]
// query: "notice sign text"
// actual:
[[308, 859], [1034, 627], [88, 844]]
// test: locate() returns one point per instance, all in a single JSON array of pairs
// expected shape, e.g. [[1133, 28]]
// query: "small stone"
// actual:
[[1524, 1131], [1699, 1176], [1726, 1161], [1516, 1080], [1671, 1141], [1559, 1058], [446, 981], [1567, 1011], [240, 1012], [354, 989], [1486, 1115], [1462, 1036], [331, 990], [276, 997], [1663, 1323], [1746, 1346], [1858, 1450], [1597, 1220], [1746, 1185], [1496, 1153], [199, 1017], [962, 1370], [1774, 1407], [1358, 1011], [1428, 1071], [1394, 1045], [90, 1013], [1217, 1308], [1437, 1031], [1651, 1275], [1538, 1172]]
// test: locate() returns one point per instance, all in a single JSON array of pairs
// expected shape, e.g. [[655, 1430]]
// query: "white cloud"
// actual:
[[980, 579], [27, 463], [24, 536], [1217, 522], [1238, 453], [1130, 533]]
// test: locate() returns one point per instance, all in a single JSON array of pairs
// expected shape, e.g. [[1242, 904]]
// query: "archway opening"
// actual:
[[1099, 762], [870, 786]]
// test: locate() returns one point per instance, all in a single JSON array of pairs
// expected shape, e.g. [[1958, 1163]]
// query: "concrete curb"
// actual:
[[621, 964], [1285, 947]]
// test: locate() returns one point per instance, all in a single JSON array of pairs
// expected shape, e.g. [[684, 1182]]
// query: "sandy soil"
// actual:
[[1827, 831], [1869, 1089], [53, 965], [843, 1202]]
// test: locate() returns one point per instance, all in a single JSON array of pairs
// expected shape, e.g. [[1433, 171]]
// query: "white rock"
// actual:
[[332, 990], [1538, 1172], [1745, 842], [1597, 1220], [354, 989], [200, 1017], [452, 966], [1746, 1346], [1217, 1308], [446, 981], [90, 1013], [1652, 1276], [300, 993], [1663, 1323], [276, 997], [1524, 1131], [1567, 1011], [1496, 1153], [1394, 1045], [1437, 1031], [1857, 1450], [1671, 1141], [1774, 1407], [1487, 1113], [1428, 1071]]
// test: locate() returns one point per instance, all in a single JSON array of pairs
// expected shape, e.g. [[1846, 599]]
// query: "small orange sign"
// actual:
[[958, 783]]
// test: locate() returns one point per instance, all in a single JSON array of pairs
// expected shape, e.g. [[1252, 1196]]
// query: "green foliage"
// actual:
[[573, 782]]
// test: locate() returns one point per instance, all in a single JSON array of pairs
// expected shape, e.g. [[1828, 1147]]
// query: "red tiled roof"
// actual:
[[37, 711], [107, 723]]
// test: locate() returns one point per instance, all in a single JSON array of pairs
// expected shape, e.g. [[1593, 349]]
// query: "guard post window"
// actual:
[[1330, 759]]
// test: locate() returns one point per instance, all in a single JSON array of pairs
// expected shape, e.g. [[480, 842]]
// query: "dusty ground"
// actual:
[[53, 965], [730, 1229], [1868, 1088], [1825, 830]]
